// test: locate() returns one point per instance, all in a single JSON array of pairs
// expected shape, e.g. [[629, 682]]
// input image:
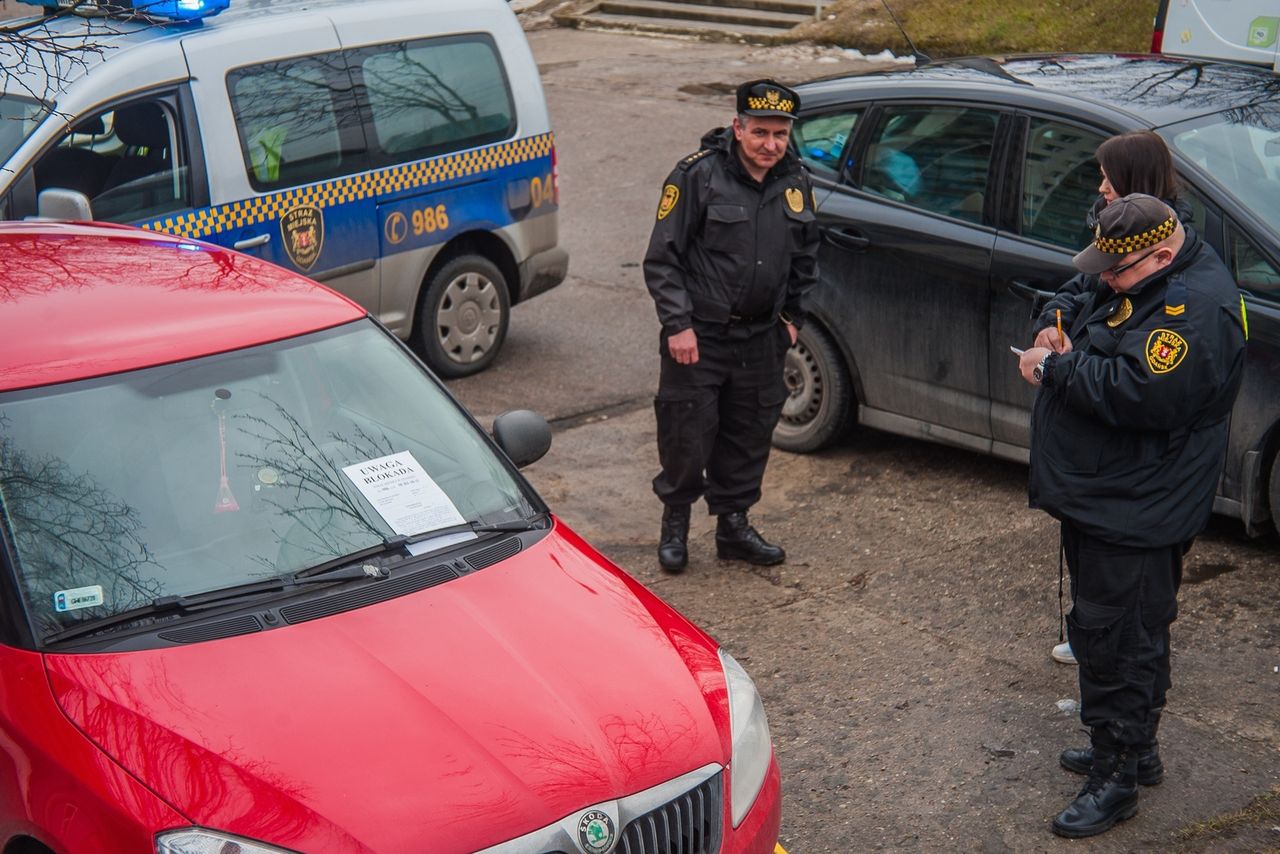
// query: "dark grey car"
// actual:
[[951, 198]]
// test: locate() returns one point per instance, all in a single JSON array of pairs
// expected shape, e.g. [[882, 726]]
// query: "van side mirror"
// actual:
[[61, 203], [523, 435]]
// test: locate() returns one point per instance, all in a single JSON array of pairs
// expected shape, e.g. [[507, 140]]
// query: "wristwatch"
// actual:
[[1038, 372]]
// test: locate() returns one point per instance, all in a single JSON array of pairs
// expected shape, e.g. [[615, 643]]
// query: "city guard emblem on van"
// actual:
[[303, 231]]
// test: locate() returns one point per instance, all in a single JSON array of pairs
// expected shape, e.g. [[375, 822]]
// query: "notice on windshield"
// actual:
[[405, 496]]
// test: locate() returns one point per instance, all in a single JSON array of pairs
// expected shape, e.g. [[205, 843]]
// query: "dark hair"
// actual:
[[1139, 162]]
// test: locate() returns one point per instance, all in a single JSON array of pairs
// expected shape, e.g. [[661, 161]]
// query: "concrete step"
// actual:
[[724, 16], [709, 30], [794, 7]]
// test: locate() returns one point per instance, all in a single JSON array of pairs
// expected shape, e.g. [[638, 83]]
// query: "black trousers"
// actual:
[[1123, 601], [716, 417]]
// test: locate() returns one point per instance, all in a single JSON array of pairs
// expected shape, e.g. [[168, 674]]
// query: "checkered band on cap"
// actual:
[[1133, 242], [777, 103]]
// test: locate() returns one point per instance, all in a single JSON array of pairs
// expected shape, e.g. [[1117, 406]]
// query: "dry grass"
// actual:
[[1257, 822], [956, 27]]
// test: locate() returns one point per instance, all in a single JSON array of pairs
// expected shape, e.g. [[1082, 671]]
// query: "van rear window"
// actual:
[[434, 95]]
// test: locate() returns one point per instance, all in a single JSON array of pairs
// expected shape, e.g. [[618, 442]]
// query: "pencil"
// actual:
[[1059, 326]]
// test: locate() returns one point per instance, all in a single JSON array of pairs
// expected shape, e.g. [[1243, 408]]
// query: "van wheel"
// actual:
[[819, 394], [463, 316]]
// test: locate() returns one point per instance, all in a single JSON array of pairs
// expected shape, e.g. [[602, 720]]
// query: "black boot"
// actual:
[[1109, 796], [737, 540], [1150, 768], [673, 544]]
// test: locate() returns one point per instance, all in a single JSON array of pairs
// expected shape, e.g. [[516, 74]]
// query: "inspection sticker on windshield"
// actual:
[[77, 598], [404, 495]]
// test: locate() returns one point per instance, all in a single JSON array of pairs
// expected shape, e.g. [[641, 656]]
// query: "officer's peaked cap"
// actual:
[[1129, 224], [767, 98]]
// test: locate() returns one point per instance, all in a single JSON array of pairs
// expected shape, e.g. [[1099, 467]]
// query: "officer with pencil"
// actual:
[[1136, 380]]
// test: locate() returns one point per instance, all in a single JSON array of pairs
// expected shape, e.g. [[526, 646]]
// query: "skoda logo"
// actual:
[[596, 833]]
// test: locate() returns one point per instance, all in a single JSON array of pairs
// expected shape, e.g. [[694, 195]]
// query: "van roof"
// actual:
[[85, 42]]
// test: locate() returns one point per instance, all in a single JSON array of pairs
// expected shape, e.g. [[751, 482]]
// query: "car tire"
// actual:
[[819, 394], [1273, 493], [463, 315]]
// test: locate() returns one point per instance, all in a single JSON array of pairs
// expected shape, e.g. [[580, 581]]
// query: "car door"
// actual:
[[1053, 180], [291, 183], [904, 262]]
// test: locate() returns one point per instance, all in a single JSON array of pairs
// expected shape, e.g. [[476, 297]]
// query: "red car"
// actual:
[[267, 587]]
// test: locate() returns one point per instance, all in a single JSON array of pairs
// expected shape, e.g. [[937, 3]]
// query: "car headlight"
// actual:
[[752, 747], [196, 840]]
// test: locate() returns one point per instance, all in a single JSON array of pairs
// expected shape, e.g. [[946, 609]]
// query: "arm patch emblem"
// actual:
[[670, 195], [1165, 350]]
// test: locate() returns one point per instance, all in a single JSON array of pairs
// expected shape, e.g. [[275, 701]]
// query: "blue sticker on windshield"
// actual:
[[77, 598]]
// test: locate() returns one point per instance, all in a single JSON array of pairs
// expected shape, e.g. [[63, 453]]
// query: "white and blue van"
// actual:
[[399, 151]]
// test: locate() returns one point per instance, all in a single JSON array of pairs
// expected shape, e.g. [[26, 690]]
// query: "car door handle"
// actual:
[[846, 239], [251, 242], [1028, 291]]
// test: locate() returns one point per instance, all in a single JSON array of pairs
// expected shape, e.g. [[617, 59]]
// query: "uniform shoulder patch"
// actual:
[[670, 195], [1165, 350], [686, 162]]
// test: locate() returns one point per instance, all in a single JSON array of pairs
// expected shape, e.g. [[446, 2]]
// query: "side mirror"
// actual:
[[61, 203], [525, 436]]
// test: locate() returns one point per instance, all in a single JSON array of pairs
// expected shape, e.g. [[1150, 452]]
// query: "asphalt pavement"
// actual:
[[903, 649]]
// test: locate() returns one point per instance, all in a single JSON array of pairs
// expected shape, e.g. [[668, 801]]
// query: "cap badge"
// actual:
[[1165, 350], [772, 96], [1121, 314], [795, 199], [670, 195]]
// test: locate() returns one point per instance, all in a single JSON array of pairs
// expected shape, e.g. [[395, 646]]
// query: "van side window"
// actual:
[[296, 121], [434, 95], [129, 161]]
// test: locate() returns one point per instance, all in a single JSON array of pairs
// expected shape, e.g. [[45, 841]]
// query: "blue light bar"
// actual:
[[176, 10]]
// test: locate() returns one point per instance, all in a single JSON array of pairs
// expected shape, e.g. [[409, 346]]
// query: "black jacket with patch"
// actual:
[[725, 246], [1129, 430]]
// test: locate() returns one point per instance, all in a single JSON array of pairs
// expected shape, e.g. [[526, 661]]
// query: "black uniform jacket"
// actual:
[[726, 247], [1129, 430]]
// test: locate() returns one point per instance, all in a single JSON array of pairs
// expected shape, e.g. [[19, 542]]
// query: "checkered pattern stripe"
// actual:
[[203, 223], [1134, 242], [766, 104]]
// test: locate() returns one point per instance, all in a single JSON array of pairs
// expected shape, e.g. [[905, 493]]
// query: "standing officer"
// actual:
[[1128, 436], [732, 254]]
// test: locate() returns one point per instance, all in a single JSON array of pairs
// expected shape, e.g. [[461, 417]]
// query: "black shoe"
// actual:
[[1150, 768], [1110, 796], [737, 540], [673, 543]]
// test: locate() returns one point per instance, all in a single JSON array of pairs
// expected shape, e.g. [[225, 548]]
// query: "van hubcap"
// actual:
[[468, 318]]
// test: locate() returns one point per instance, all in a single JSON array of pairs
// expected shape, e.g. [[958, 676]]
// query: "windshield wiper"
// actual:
[[535, 522], [348, 571]]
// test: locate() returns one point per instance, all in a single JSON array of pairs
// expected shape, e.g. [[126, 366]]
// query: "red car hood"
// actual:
[[453, 718]]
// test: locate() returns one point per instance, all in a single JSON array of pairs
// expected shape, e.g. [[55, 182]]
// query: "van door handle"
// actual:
[[251, 242], [846, 239]]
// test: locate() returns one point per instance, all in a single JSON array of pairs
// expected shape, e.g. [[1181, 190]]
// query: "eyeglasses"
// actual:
[[1115, 271]]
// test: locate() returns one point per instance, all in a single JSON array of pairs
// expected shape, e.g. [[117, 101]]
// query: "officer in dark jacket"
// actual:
[[1129, 432], [732, 254]]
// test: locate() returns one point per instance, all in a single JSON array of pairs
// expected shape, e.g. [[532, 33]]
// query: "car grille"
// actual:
[[688, 824]]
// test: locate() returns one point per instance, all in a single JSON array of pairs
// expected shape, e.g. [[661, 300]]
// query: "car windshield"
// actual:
[[18, 118], [253, 464], [1240, 148]]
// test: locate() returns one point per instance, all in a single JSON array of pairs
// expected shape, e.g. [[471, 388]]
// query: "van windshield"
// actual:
[[19, 117], [1240, 149], [240, 467]]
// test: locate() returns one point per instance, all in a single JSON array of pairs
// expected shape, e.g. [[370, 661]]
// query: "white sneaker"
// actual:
[[1063, 655]]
